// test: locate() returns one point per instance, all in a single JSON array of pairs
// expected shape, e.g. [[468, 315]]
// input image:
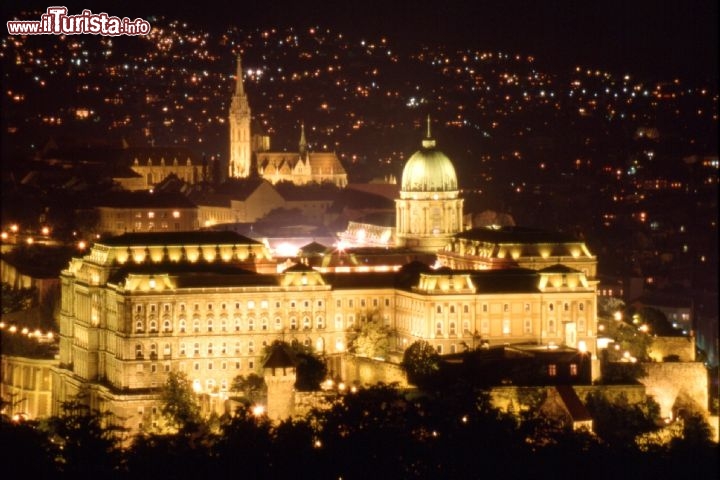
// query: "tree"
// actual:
[[15, 300], [310, 369], [88, 441], [372, 337], [251, 386], [420, 362], [179, 403]]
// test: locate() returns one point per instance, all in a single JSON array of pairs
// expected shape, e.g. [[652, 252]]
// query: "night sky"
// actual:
[[663, 38]]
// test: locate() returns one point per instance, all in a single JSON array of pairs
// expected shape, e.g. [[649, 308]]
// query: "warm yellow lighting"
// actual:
[[45, 231], [30, 241], [582, 346], [618, 316], [4, 235], [14, 228], [258, 410]]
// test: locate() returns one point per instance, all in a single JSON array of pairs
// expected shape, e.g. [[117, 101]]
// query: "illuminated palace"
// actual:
[[301, 167], [141, 305], [207, 303]]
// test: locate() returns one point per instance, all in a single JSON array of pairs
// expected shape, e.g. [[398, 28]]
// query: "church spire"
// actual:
[[303, 142], [239, 90]]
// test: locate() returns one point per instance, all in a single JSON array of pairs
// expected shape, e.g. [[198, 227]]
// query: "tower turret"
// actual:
[[239, 120]]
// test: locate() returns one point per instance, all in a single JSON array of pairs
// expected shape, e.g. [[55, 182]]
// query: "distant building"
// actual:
[[121, 212], [236, 201], [301, 167]]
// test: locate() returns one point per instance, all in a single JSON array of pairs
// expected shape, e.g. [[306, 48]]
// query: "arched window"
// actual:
[[306, 323], [320, 322], [453, 328], [139, 326], [153, 326], [209, 325], [196, 325], [167, 326], [251, 324], [138, 350], [182, 326], [438, 328]]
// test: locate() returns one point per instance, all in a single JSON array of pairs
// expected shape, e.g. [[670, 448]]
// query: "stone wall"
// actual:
[[683, 347], [677, 386], [367, 371], [517, 399]]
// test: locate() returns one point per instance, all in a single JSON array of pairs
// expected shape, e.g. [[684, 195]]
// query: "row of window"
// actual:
[[452, 327], [262, 304], [185, 349], [223, 326], [506, 308]]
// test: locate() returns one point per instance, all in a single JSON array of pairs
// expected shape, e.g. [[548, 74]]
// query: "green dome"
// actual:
[[429, 170]]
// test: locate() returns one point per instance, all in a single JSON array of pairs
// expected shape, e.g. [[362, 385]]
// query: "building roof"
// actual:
[[511, 280], [572, 402], [144, 199], [516, 235], [279, 357], [203, 237]]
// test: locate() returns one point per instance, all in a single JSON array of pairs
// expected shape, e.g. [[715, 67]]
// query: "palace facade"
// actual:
[[141, 305]]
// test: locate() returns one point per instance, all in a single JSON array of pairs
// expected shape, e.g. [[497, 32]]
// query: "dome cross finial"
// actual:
[[428, 127]]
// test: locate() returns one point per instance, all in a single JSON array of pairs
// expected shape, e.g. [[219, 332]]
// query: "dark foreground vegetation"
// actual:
[[379, 432]]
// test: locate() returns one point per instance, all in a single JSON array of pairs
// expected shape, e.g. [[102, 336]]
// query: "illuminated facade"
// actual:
[[429, 211], [207, 303], [301, 167], [240, 139], [512, 247]]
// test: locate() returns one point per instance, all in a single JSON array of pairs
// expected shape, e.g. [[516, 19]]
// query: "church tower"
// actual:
[[240, 151], [429, 211]]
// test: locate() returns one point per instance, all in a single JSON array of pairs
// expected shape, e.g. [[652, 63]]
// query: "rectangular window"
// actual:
[[527, 327], [506, 326], [573, 370], [552, 370]]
